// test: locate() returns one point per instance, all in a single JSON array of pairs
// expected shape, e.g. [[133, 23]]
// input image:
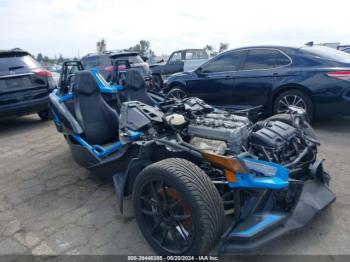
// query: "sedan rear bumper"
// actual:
[[24, 107]]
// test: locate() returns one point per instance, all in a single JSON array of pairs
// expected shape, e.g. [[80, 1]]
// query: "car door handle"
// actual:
[[275, 74]]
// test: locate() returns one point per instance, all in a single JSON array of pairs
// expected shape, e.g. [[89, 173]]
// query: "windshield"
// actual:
[[328, 53], [196, 54], [13, 62], [133, 59]]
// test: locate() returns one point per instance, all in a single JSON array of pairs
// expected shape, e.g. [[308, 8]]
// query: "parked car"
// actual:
[[314, 78], [179, 61], [55, 71], [347, 50], [103, 62], [24, 85]]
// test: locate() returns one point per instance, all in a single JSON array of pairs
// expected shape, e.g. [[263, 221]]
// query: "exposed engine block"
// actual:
[[227, 132]]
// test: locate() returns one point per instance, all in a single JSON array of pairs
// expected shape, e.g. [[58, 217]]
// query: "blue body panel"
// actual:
[[104, 86], [65, 98], [265, 221], [260, 175], [100, 151]]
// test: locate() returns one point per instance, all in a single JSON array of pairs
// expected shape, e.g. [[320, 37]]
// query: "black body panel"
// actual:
[[314, 198]]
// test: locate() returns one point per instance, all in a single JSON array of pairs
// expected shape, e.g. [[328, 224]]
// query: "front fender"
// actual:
[[123, 181]]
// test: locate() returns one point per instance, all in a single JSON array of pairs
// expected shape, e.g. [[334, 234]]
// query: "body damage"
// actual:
[[266, 173]]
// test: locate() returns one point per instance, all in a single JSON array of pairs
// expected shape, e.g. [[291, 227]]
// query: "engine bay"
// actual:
[[207, 129]]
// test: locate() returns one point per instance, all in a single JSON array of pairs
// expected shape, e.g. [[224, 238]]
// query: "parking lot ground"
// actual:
[[50, 205]]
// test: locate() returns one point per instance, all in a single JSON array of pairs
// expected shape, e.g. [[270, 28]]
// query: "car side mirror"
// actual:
[[199, 71]]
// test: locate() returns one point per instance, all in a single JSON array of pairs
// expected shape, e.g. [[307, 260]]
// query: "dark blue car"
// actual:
[[315, 78]]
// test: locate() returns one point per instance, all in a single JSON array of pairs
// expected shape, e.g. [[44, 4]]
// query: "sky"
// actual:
[[72, 27]]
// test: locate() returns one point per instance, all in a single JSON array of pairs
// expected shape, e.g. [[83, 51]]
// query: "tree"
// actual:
[[60, 59], [210, 49], [143, 48], [46, 59], [39, 57], [223, 47]]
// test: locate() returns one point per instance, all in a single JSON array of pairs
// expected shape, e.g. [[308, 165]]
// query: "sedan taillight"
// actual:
[[42, 72], [344, 75], [108, 68]]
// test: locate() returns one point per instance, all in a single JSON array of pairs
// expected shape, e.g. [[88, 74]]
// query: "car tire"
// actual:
[[296, 98], [177, 89], [181, 183], [44, 115]]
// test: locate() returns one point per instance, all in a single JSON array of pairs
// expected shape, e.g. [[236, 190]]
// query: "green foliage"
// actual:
[[143, 48], [212, 52], [44, 59], [223, 47]]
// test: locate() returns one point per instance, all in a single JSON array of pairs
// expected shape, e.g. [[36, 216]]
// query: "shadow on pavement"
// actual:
[[336, 124], [21, 124]]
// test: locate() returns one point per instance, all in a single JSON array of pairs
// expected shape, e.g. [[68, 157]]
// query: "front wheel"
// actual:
[[293, 98], [177, 207]]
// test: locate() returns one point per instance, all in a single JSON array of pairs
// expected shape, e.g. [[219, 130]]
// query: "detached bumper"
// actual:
[[314, 197]]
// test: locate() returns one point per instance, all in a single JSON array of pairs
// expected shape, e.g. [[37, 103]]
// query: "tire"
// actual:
[[44, 115], [201, 201], [177, 89], [286, 118], [284, 97]]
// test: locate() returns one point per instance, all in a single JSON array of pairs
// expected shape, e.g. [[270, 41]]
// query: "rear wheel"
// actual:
[[44, 115], [293, 98], [177, 207]]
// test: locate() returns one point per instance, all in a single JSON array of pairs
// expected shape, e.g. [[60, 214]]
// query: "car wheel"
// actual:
[[293, 98], [178, 208], [176, 92], [44, 115]]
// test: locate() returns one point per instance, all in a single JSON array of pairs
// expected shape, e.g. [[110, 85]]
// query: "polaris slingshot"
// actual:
[[198, 176]]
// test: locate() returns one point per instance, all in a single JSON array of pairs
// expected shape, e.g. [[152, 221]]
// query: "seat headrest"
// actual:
[[85, 83], [134, 79]]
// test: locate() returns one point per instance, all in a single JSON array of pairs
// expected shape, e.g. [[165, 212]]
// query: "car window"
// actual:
[[323, 52], [282, 59], [223, 63], [175, 58], [264, 59], [14, 62], [91, 62], [135, 59], [196, 54]]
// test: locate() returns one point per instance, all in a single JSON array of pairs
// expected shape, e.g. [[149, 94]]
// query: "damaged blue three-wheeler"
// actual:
[[197, 175]]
